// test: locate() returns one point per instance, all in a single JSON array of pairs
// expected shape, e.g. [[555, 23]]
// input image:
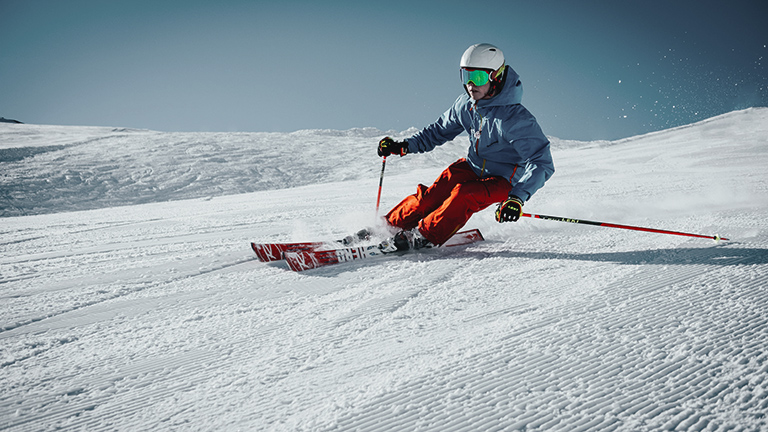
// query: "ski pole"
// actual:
[[381, 182], [629, 227]]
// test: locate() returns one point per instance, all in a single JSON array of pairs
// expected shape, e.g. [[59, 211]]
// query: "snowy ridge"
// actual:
[[49, 169], [157, 316]]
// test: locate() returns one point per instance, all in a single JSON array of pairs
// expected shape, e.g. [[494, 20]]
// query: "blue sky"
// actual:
[[590, 69]]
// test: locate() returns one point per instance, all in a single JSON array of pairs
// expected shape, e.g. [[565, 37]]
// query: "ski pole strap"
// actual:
[[628, 227]]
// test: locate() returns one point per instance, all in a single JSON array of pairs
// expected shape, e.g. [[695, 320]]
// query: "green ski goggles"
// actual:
[[478, 77]]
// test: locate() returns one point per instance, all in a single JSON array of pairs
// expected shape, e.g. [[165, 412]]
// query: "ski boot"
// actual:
[[405, 240], [358, 237]]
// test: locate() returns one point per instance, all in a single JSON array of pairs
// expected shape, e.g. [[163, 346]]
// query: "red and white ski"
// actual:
[[268, 252], [300, 260]]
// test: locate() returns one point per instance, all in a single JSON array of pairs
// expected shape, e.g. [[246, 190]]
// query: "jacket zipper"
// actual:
[[477, 139]]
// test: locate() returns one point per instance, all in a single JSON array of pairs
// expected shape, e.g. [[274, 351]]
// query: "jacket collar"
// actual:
[[511, 93]]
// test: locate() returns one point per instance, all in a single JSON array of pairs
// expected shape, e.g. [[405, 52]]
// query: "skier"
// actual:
[[509, 157]]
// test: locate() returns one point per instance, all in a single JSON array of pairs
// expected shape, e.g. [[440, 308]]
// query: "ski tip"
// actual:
[[265, 253], [291, 258], [300, 260], [256, 250]]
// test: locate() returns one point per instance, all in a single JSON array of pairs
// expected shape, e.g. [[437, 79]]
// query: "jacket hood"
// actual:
[[511, 92]]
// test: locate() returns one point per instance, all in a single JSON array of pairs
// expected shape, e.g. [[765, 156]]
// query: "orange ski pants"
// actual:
[[443, 208]]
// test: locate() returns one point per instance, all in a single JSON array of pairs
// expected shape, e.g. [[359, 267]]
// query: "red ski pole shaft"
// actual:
[[381, 183], [628, 227]]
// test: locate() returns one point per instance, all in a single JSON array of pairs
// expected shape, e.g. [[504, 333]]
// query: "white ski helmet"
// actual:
[[482, 56]]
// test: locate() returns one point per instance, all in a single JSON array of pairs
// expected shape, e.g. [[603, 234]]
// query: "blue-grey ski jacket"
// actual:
[[505, 138]]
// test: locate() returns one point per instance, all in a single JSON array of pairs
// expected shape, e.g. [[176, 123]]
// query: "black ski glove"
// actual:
[[509, 210], [388, 146]]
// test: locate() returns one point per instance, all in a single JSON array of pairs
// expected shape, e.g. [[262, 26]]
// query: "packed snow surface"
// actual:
[[131, 299]]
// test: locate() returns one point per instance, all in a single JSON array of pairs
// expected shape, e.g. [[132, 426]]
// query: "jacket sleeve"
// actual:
[[446, 128], [537, 170]]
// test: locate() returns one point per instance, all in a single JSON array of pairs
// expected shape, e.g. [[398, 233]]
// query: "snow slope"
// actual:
[[143, 308]]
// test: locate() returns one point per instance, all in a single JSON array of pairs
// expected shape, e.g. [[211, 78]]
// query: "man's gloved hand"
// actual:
[[509, 210], [388, 146]]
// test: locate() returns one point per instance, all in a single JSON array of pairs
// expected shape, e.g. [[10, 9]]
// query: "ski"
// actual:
[[300, 260], [268, 252]]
